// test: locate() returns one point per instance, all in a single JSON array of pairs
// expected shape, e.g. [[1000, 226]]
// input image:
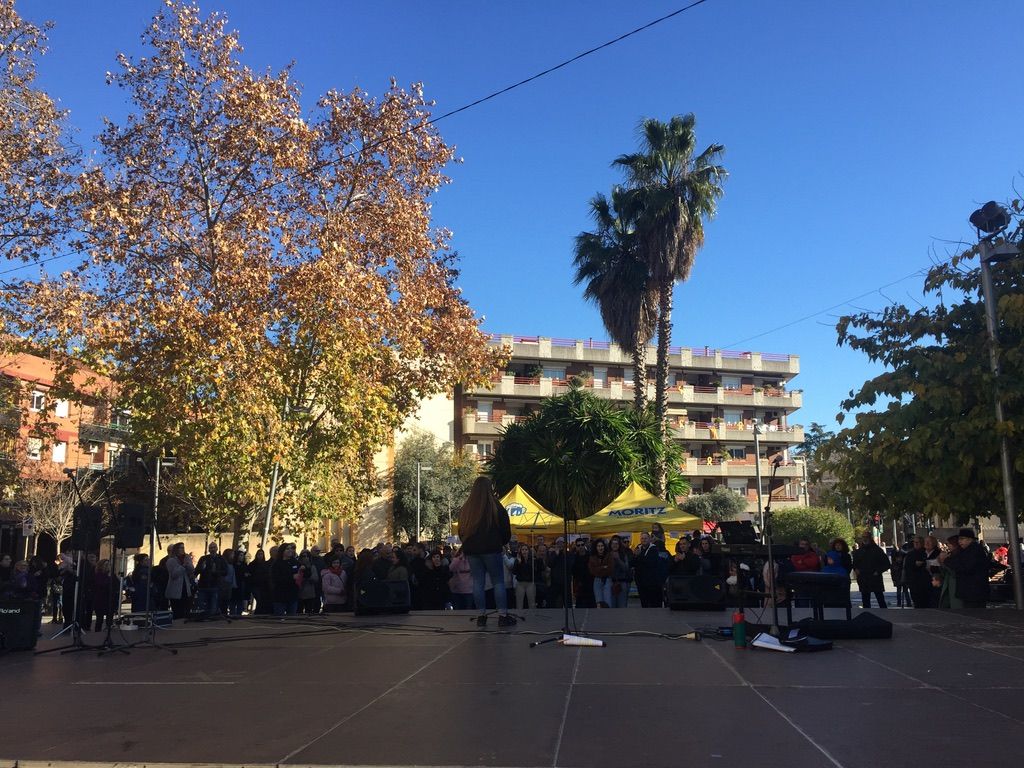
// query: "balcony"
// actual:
[[588, 350], [472, 424], [745, 397], [716, 467], [103, 433], [735, 433]]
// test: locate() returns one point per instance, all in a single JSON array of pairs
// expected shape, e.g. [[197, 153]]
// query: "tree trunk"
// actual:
[[639, 374], [661, 380]]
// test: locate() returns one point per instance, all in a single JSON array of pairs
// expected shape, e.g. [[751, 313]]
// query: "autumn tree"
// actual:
[[262, 283], [924, 437], [36, 159]]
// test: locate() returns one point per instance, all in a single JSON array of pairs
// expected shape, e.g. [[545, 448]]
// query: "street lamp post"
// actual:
[[993, 219], [419, 468], [759, 430]]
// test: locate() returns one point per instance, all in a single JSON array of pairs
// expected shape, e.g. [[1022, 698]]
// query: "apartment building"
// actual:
[[79, 435], [715, 399]]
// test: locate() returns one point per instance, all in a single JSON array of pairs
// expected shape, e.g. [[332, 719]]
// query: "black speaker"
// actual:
[[376, 597], [86, 522], [738, 533], [696, 592], [864, 626], [131, 526], [18, 622]]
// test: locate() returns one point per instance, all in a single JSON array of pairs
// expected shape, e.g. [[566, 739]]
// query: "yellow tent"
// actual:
[[636, 510], [527, 516]]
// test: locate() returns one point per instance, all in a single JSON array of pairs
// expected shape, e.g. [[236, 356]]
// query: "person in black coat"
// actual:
[[916, 575], [971, 566], [869, 565], [582, 580], [560, 562], [433, 583], [651, 572], [285, 580]]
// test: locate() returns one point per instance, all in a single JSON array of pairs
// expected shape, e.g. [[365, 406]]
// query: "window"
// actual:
[[35, 448], [38, 401], [737, 452], [551, 372], [732, 416], [119, 419], [731, 382], [737, 486], [600, 376], [627, 377], [484, 410], [61, 409], [60, 452], [485, 448]]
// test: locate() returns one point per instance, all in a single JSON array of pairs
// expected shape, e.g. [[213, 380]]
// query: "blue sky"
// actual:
[[859, 136]]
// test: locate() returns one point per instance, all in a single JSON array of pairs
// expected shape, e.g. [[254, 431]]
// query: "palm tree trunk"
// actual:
[[639, 374], [661, 380]]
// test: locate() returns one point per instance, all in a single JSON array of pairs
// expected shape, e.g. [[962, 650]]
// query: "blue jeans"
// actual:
[[603, 591], [209, 600], [482, 565], [620, 600], [286, 609]]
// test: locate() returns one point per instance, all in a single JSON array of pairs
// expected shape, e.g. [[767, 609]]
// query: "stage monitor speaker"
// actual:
[[18, 622], [696, 592], [376, 597], [864, 626], [131, 526], [86, 522], [738, 533]]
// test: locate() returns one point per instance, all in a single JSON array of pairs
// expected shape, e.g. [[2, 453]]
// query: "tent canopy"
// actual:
[[636, 510], [526, 515]]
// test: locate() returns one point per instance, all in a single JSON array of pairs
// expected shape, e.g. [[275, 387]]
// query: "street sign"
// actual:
[[28, 527]]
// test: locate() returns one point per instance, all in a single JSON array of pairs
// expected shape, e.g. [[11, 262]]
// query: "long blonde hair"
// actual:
[[481, 505]]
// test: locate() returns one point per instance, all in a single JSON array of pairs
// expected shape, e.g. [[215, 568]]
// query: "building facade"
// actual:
[[715, 399]]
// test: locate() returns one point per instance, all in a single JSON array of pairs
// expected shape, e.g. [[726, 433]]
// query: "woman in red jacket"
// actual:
[[602, 565], [807, 559]]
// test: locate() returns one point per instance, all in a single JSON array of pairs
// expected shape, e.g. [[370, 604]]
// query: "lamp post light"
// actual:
[[758, 431], [992, 220], [419, 468]]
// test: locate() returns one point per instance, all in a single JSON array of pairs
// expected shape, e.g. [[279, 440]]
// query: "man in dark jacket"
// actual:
[[651, 572], [212, 569], [971, 565], [560, 562], [869, 564]]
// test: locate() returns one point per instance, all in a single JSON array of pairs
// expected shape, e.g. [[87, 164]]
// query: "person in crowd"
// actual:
[[399, 565], [971, 564], [334, 585], [806, 559], [528, 569], [685, 561], [622, 571], [211, 569], [6, 569], [710, 561], [21, 583], [309, 595], [602, 566], [647, 567], [106, 595], [560, 562], [416, 562], [68, 579], [138, 585], [837, 559], [582, 578], [897, 561], [160, 576], [484, 529], [434, 582], [508, 561], [87, 589], [916, 575], [262, 588], [460, 582], [947, 578], [180, 572], [869, 565], [542, 586], [285, 581], [238, 599]]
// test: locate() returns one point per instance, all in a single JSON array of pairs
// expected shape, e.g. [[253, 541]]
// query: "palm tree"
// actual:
[[618, 282], [674, 191]]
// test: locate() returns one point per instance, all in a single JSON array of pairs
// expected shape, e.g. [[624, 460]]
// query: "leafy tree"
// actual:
[[35, 156], [51, 502], [261, 285], [715, 506], [578, 452], [924, 437], [443, 488], [607, 262], [675, 190], [816, 524]]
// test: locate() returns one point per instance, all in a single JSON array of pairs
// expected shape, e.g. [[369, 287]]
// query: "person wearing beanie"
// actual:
[[971, 565]]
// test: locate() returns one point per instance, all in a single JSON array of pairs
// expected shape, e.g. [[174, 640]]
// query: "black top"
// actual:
[[491, 536]]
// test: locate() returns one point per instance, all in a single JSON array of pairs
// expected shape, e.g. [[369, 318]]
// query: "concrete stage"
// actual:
[[948, 690]]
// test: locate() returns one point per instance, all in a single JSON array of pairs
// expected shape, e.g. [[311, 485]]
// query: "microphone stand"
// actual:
[[774, 630]]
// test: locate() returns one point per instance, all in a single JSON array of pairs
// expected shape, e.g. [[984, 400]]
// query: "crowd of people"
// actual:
[[489, 571]]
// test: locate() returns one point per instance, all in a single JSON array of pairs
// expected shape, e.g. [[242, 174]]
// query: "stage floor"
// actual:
[[949, 687]]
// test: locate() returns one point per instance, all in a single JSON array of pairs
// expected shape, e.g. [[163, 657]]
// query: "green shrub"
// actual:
[[816, 524]]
